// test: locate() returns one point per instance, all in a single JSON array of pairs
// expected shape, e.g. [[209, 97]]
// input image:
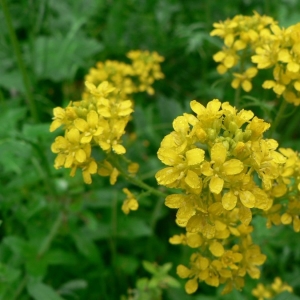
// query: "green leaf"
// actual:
[[172, 282], [131, 227], [150, 267], [8, 274], [86, 247], [77, 284], [286, 296], [59, 57], [128, 264], [41, 291]]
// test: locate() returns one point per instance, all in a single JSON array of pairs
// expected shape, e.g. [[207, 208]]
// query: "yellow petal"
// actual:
[[268, 84], [192, 180], [233, 167], [86, 177], [251, 72], [174, 200], [54, 125], [80, 155], [235, 83], [194, 240], [216, 249], [81, 124], [195, 156], [167, 175], [229, 200], [73, 136], [191, 286], [92, 119], [216, 185], [119, 149], [182, 271], [86, 139], [247, 198], [180, 124], [218, 153], [245, 215], [286, 219], [247, 85]]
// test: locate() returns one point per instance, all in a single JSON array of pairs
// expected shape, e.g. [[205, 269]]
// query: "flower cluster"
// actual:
[[227, 170], [286, 193], [138, 76], [262, 292], [257, 42], [99, 119]]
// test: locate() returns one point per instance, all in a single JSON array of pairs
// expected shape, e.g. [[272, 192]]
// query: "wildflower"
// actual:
[[130, 203], [244, 79], [224, 168]]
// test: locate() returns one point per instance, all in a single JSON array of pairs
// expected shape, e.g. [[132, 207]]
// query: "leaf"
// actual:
[[41, 291], [59, 57], [286, 296], [8, 274], [86, 247], [77, 284], [130, 228], [150, 267]]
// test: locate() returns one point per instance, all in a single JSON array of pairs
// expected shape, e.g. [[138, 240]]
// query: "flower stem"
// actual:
[[21, 65], [278, 117], [237, 96], [135, 180], [49, 238]]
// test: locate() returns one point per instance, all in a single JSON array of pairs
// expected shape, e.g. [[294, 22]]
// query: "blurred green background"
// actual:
[[62, 239]]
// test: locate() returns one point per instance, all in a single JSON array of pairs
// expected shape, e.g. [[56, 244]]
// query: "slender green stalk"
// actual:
[[2, 101], [278, 117], [21, 65], [155, 213], [20, 288], [49, 238], [135, 180], [237, 97]]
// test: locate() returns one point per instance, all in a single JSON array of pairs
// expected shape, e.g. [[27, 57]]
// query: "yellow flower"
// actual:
[[130, 203], [89, 127], [261, 292], [106, 169], [69, 149], [221, 167], [244, 79]]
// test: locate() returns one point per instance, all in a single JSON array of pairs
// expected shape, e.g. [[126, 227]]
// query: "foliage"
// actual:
[[64, 239]]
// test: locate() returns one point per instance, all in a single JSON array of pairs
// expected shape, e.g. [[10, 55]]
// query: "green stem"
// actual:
[[21, 65], [2, 101], [135, 180], [278, 117], [155, 213], [49, 238], [20, 288], [237, 96]]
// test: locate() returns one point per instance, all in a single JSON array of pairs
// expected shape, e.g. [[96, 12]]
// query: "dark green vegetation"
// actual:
[[62, 239]]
